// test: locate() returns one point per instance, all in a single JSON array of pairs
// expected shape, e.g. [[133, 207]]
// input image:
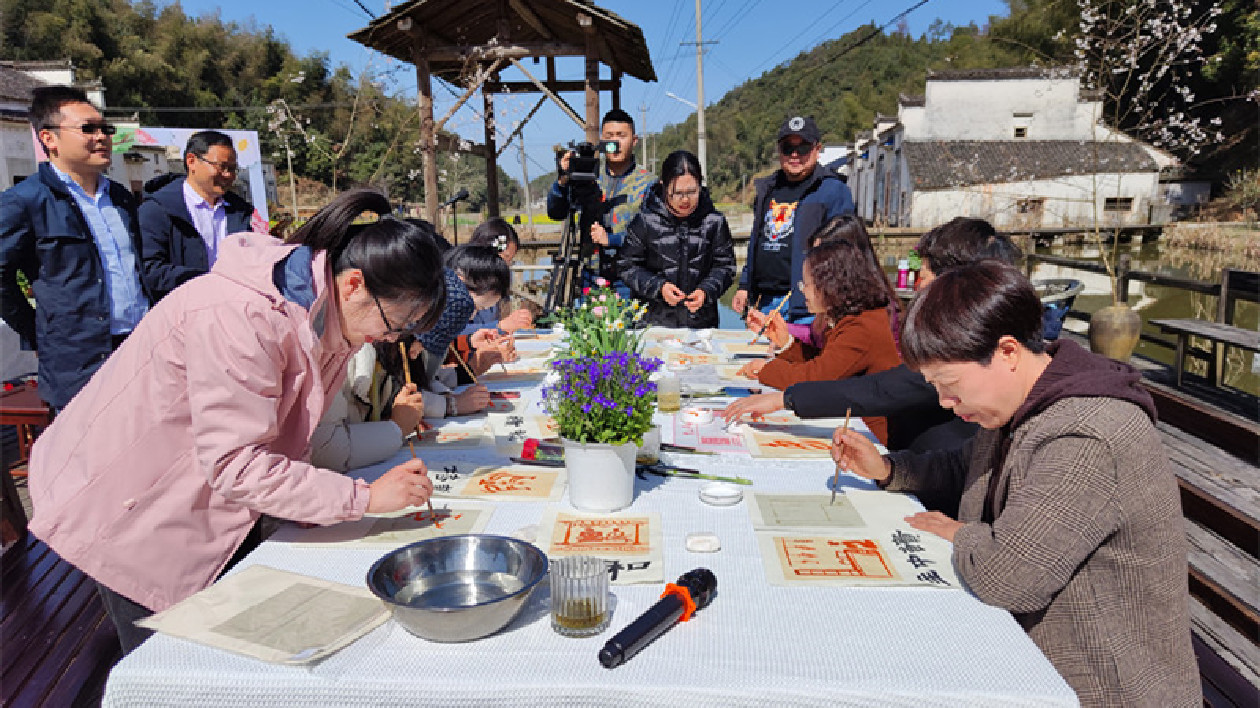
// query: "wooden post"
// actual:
[[428, 138], [1122, 276], [592, 79], [616, 89], [492, 172]]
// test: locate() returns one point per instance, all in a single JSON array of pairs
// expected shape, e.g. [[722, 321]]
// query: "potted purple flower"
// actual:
[[603, 405]]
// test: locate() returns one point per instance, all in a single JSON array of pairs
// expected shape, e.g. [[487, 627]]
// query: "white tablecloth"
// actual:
[[755, 645]]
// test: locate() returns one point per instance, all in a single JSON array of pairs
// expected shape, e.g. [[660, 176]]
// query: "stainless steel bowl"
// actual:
[[457, 588]]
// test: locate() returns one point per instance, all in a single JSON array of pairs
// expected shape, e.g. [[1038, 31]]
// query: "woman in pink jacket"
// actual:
[[152, 476]]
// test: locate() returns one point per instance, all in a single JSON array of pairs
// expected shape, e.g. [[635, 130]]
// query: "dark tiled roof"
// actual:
[[16, 85], [941, 164], [36, 64], [919, 100], [1017, 72]]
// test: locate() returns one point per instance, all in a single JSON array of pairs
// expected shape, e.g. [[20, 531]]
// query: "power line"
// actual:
[[735, 17], [792, 43], [827, 32], [219, 109], [364, 8], [668, 40], [344, 6], [869, 36]]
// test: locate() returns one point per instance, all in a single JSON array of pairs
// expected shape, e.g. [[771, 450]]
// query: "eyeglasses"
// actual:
[[91, 128], [800, 149], [689, 194], [227, 168], [390, 329]]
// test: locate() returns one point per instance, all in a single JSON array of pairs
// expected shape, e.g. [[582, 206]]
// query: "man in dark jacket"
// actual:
[[790, 206], [183, 219], [916, 421], [72, 232]]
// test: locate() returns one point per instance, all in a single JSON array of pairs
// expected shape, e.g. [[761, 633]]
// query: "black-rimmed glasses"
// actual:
[[227, 168], [91, 128], [390, 329]]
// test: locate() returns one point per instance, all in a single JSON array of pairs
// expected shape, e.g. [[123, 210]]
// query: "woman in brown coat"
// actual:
[[842, 288], [1067, 513]]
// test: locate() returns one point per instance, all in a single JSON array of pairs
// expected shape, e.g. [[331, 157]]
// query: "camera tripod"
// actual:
[[576, 249], [566, 270]]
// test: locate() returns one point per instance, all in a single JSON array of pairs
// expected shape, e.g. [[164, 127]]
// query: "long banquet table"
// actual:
[[755, 645]]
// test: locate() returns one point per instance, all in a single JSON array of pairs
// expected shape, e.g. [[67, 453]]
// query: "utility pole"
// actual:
[[643, 132], [292, 184], [529, 208], [700, 138]]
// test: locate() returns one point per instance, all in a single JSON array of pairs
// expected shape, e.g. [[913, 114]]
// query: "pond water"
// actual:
[[1242, 369]]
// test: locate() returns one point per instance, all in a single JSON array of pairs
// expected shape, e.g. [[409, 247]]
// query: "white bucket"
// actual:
[[601, 475]]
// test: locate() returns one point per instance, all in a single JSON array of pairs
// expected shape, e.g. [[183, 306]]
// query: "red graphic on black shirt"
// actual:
[[778, 227]]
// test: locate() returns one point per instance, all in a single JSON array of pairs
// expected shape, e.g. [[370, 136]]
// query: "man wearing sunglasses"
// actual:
[[789, 206], [74, 234], [183, 219]]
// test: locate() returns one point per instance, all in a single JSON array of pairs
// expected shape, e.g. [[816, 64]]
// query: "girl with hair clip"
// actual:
[[152, 477], [847, 227], [499, 235], [842, 290], [486, 276], [678, 256]]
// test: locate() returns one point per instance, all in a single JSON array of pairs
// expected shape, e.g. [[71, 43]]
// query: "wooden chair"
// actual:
[[22, 408]]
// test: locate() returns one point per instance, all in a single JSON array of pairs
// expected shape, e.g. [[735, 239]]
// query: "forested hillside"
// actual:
[[844, 83]]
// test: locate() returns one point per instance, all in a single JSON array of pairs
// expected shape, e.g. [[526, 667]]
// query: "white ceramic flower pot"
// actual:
[[601, 475]]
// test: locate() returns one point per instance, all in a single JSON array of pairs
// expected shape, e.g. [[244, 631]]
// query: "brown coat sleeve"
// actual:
[[857, 344]]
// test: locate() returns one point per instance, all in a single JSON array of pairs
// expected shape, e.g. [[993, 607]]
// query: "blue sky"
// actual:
[[752, 37]]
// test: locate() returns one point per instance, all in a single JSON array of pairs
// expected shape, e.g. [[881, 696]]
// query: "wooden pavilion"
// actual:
[[468, 42]]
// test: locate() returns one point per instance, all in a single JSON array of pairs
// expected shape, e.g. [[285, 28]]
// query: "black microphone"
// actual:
[[461, 194], [694, 591]]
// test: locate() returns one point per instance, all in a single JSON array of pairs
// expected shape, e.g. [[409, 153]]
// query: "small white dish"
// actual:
[[697, 415], [703, 542], [721, 494]]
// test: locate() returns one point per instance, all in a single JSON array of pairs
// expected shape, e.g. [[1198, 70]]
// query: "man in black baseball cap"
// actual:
[[790, 205]]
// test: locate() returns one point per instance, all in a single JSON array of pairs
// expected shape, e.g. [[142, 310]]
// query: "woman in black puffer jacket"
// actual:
[[678, 256]]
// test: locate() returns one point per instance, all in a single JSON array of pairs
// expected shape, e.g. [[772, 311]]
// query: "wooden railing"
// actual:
[[1126, 275]]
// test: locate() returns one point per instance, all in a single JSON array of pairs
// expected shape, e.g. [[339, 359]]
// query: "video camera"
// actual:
[[584, 162]]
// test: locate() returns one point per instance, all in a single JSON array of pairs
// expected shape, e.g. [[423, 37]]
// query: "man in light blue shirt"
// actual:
[[127, 302], [74, 235]]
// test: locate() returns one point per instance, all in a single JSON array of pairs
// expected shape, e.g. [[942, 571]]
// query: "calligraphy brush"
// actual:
[[772, 314], [835, 481], [406, 365], [668, 471], [502, 365], [463, 363], [670, 447]]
